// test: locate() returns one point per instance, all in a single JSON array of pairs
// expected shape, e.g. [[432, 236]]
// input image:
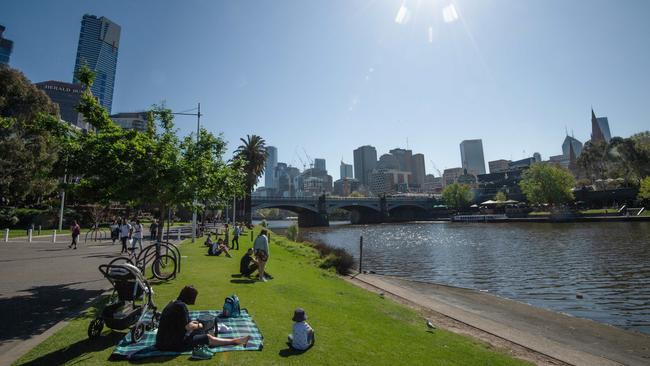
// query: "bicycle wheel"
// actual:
[[164, 267]]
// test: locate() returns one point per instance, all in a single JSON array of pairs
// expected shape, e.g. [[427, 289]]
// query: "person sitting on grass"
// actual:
[[247, 264], [177, 333], [302, 336], [219, 247], [208, 241]]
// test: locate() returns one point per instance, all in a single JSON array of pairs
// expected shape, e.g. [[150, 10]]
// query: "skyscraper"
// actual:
[[320, 164], [365, 160], [599, 128], [471, 156], [6, 46], [269, 168], [403, 158], [571, 143], [99, 41], [346, 170], [67, 96], [418, 170]]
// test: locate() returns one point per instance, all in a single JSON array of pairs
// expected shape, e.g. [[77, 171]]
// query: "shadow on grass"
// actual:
[[243, 281], [87, 346], [156, 360], [289, 351]]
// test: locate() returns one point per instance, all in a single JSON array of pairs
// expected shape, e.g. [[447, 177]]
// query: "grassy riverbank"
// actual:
[[353, 326]]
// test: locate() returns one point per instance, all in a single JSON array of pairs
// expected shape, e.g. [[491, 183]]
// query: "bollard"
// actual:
[[29, 235], [54, 236], [361, 254], [6, 235], [178, 234]]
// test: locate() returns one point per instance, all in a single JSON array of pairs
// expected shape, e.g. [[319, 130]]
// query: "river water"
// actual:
[[599, 271]]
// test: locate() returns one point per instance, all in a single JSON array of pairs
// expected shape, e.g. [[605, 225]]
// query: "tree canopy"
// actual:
[[251, 156], [547, 183], [457, 195], [644, 190], [33, 140], [627, 158]]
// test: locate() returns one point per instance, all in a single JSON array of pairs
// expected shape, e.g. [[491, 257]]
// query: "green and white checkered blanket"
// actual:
[[241, 326]]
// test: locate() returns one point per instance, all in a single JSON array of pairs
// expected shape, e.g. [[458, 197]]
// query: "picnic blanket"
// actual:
[[241, 326]]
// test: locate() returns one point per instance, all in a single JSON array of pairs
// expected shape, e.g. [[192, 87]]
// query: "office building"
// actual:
[[67, 96], [6, 46], [99, 42], [403, 158], [432, 184], [346, 170], [497, 166], [320, 164], [269, 167], [599, 128], [344, 186], [131, 120], [450, 176], [570, 142], [471, 156], [418, 170], [365, 160], [388, 161]]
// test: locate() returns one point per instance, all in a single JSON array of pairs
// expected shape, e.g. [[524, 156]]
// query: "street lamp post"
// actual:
[[198, 132]]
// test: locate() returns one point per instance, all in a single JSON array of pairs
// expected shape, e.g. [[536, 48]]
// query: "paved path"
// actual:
[[42, 283], [572, 340]]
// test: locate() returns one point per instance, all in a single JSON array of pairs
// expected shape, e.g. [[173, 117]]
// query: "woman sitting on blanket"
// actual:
[[178, 333]]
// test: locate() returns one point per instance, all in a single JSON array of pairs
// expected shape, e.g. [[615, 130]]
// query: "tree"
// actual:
[[457, 195], [32, 138], [644, 190], [500, 196], [593, 160], [547, 183], [252, 156]]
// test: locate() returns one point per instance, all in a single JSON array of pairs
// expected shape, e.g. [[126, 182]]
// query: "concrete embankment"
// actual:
[[571, 340]]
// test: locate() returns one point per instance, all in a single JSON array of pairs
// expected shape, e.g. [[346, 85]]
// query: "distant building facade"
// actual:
[[404, 158], [365, 160], [471, 155], [67, 96], [345, 186], [500, 165], [450, 176], [418, 170], [599, 128], [131, 120], [99, 41], [346, 171], [432, 184], [571, 143], [6, 47], [269, 167], [320, 164]]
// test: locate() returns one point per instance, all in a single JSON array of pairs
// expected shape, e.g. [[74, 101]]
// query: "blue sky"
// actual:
[[329, 76]]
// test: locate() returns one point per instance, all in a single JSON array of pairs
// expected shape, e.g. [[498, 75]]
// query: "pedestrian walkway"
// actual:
[[575, 341], [42, 283]]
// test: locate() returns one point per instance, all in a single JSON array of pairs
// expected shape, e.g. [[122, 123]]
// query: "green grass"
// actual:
[[539, 213], [353, 326]]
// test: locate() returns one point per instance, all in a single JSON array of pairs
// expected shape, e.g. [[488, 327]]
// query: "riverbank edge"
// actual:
[[531, 333]]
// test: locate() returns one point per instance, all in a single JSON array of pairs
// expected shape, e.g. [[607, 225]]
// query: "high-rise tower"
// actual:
[[99, 41], [599, 128], [471, 156]]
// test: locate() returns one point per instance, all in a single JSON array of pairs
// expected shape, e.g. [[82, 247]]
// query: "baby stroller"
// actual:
[[133, 306]]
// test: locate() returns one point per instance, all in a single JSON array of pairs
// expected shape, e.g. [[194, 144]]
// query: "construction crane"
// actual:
[[304, 166], [311, 161], [435, 168]]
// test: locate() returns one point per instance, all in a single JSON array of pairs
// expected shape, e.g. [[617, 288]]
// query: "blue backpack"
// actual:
[[231, 307]]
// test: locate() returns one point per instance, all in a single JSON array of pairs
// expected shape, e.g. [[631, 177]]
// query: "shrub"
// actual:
[[337, 258], [293, 232]]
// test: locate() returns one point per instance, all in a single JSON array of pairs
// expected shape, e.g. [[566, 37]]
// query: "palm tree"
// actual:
[[252, 152]]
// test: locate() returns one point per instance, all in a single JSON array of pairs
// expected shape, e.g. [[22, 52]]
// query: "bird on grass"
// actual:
[[430, 325], [381, 294]]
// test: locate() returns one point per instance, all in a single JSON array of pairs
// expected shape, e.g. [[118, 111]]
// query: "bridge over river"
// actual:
[[314, 211]]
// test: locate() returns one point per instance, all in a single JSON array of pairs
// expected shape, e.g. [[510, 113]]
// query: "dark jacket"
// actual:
[[171, 331]]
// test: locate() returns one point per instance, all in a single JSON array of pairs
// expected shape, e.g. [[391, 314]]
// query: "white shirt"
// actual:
[[124, 230], [261, 243], [300, 335], [137, 231]]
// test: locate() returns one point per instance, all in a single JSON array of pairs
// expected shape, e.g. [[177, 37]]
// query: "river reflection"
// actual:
[[546, 265]]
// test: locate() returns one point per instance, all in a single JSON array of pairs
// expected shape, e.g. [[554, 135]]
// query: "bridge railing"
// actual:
[[334, 198]]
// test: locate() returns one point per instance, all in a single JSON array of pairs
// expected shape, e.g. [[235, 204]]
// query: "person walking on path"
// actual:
[[261, 247], [75, 229], [125, 235], [115, 230], [227, 233], [137, 235], [235, 237], [153, 229]]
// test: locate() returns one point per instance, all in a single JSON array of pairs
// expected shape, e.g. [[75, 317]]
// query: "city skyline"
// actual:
[[387, 84]]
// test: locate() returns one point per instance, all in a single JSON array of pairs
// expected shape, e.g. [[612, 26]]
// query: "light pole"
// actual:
[[198, 132]]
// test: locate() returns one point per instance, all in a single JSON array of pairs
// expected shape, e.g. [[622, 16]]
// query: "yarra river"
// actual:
[[599, 271]]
